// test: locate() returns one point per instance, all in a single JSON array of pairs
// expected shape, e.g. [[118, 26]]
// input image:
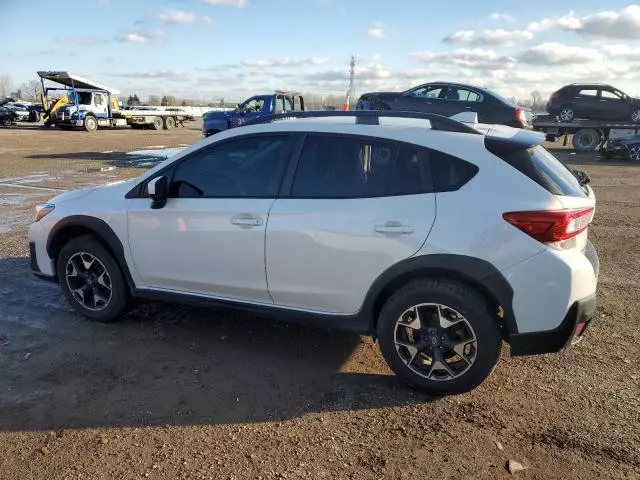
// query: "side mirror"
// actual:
[[158, 191]]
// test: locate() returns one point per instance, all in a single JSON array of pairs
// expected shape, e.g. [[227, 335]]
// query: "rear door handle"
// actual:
[[394, 228], [246, 221]]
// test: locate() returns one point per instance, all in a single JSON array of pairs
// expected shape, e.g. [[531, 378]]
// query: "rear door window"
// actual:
[[343, 167]]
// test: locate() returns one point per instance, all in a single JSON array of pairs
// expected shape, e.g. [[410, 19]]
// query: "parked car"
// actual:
[[8, 116], [593, 101], [333, 221], [445, 98], [627, 147], [21, 111]]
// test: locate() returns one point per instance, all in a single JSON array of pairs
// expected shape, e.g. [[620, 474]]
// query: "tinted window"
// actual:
[[588, 93], [462, 94], [546, 170], [611, 95], [428, 92], [339, 167], [254, 105], [411, 173], [245, 167], [449, 172]]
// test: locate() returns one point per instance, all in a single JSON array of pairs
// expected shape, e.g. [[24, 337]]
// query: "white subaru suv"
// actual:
[[438, 238]]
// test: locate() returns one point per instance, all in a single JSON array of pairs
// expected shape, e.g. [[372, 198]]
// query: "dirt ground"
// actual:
[[176, 392]]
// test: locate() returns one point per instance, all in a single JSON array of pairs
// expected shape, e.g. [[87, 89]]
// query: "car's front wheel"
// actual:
[[92, 280], [633, 152], [439, 336], [635, 115]]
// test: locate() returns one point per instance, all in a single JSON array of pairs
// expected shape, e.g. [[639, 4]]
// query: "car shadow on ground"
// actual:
[[167, 364], [114, 159]]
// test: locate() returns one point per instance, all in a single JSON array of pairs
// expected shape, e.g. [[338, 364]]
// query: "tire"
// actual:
[[378, 105], [169, 123], [566, 114], [34, 116], [586, 140], [5, 120], [76, 254], [157, 123], [635, 115], [455, 299], [633, 152], [90, 123]]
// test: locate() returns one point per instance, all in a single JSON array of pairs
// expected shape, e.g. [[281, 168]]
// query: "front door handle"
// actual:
[[246, 221], [394, 228]]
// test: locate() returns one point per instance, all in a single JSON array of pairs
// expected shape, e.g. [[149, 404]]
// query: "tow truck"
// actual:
[[89, 105], [588, 135]]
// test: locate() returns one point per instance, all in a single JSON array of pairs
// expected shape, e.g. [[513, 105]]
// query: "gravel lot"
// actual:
[[175, 392]]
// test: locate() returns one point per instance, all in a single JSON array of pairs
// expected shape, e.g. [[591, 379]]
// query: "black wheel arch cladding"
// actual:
[[475, 272], [93, 225]]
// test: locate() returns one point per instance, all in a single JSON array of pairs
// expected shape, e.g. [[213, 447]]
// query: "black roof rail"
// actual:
[[372, 117]]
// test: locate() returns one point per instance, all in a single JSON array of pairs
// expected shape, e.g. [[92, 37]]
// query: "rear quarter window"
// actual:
[[544, 168]]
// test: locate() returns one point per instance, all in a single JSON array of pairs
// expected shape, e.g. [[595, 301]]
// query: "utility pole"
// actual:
[[351, 93]]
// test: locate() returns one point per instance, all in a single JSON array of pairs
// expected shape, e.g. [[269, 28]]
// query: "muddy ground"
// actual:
[[174, 392]]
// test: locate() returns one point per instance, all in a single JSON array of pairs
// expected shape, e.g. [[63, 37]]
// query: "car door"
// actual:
[[357, 206], [250, 110], [100, 105], [424, 98], [458, 99], [209, 237], [611, 105], [586, 103]]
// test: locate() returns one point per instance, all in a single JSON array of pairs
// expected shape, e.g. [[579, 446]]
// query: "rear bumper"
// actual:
[[569, 332]]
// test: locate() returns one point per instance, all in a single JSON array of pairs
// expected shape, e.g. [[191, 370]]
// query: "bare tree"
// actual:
[[31, 90], [5, 85], [537, 102]]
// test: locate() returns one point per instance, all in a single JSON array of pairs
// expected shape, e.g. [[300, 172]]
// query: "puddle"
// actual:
[[4, 228], [97, 170]]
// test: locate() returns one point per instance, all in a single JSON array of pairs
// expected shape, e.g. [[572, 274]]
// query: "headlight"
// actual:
[[44, 210]]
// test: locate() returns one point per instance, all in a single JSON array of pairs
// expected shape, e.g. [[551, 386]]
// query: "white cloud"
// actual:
[[554, 53], [176, 17], [284, 62], [501, 17], [207, 20], [476, 58], [142, 37], [228, 3], [378, 30], [622, 52], [621, 24], [489, 37]]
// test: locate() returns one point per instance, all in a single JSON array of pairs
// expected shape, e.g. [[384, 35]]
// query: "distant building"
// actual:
[[17, 94]]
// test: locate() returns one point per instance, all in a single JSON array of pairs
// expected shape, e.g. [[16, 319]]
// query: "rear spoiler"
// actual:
[[520, 140], [499, 138]]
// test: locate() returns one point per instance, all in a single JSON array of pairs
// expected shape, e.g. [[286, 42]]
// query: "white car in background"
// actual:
[[438, 238]]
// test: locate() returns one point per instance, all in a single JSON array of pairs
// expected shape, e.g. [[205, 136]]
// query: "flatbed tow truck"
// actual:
[[588, 135], [90, 105]]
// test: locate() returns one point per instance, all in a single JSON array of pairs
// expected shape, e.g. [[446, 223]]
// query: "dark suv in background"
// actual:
[[448, 99], [594, 101]]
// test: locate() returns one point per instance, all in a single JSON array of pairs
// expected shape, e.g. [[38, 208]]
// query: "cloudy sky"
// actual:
[[204, 49]]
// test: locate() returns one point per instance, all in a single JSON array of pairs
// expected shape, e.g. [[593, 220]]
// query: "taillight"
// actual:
[[548, 226], [520, 116], [556, 95]]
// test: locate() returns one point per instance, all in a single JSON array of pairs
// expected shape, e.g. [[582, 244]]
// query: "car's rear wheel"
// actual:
[[635, 115], [633, 152], [92, 280], [566, 114], [439, 336]]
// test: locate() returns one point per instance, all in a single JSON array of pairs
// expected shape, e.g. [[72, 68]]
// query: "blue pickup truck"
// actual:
[[252, 108]]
